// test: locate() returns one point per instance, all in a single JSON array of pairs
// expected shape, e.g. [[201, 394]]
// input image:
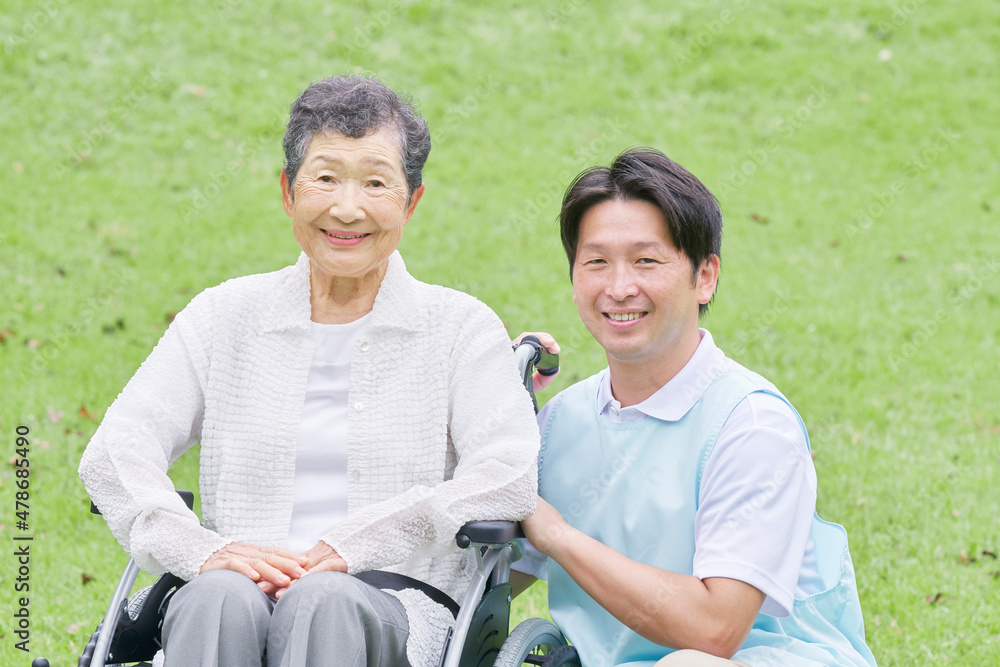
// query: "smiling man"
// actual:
[[679, 493]]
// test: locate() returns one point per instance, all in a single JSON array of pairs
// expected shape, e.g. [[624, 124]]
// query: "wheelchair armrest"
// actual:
[[488, 532], [186, 496]]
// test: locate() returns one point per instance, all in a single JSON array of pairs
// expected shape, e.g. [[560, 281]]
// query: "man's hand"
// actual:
[[268, 566], [713, 615], [321, 558], [546, 529], [539, 381]]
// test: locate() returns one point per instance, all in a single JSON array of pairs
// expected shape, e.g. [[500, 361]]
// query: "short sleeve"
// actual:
[[756, 502]]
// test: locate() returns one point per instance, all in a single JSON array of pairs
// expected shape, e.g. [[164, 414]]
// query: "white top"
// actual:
[[320, 502], [758, 489], [441, 433]]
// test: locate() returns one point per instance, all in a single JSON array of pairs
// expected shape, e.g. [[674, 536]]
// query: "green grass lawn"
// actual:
[[853, 147]]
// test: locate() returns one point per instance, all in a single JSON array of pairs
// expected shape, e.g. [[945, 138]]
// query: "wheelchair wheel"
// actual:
[[530, 643]]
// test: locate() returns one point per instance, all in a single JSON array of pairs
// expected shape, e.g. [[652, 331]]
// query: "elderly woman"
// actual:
[[351, 418]]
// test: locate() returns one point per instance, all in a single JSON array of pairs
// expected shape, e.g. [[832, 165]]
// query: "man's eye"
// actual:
[[594, 261], [647, 260]]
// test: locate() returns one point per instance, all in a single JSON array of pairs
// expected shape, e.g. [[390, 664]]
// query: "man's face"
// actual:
[[633, 287]]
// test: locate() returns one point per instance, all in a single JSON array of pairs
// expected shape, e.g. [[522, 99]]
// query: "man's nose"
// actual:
[[622, 285], [346, 206]]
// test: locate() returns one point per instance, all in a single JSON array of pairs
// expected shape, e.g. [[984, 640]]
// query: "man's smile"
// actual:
[[625, 317]]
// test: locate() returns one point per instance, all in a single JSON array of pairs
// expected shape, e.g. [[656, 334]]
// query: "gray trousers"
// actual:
[[222, 619]]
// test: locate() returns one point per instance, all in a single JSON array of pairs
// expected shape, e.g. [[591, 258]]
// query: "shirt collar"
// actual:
[[673, 400], [396, 305]]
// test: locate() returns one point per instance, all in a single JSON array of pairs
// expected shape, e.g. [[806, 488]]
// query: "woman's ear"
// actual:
[[414, 198], [287, 198]]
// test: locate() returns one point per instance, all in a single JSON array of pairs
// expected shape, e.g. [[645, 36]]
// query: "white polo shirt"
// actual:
[[758, 489]]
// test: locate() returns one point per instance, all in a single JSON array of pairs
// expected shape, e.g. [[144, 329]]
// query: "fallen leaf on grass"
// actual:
[[44, 444], [85, 413], [85, 578], [33, 344], [18, 167], [74, 628], [170, 316], [990, 554], [6, 333], [986, 207], [963, 558], [194, 89], [903, 257], [54, 416], [119, 325], [933, 599], [756, 217]]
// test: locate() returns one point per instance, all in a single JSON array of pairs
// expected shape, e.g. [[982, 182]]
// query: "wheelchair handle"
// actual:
[[488, 532], [530, 356], [186, 496], [545, 362]]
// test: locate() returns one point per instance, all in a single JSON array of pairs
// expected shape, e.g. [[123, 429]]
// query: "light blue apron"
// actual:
[[634, 487]]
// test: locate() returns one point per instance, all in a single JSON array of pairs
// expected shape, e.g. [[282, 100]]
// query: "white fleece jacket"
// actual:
[[441, 432]]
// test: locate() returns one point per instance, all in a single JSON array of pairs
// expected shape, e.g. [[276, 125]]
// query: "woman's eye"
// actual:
[[647, 260], [376, 184], [326, 179]]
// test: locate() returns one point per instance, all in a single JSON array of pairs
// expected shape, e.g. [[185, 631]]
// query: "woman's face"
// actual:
[[350, 204]]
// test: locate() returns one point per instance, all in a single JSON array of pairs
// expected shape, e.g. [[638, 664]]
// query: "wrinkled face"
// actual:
[[632, 286], [350, 204]]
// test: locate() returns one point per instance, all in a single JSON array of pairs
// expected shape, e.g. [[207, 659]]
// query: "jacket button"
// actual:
[[359, 406], [355, 474], [364, 346]]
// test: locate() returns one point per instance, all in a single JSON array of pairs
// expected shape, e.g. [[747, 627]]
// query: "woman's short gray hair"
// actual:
[[356, 106]]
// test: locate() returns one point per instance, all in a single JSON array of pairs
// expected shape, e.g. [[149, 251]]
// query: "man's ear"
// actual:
[[414, 199], [707, 278], [286, 194]]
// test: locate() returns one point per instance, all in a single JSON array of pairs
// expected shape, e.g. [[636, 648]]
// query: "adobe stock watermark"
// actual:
[[34, 23], [53, 345], [549, 195], [222, 178], [565, 9], [456, 114], [786, 127], [783, 302], [902, 13], [919, 162], [375, 26], [592, 490], [931, 325], [121, 108], [709, 32], [225, 7]]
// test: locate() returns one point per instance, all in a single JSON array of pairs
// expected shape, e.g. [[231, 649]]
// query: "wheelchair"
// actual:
[[129, 634]]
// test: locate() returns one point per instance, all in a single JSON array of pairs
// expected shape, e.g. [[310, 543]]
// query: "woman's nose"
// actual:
[[346, 206]]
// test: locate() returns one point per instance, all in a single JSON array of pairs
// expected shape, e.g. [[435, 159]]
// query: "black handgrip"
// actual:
[[546, 363], [39, 662], [186, 496], [488, 532], [88, 651]]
